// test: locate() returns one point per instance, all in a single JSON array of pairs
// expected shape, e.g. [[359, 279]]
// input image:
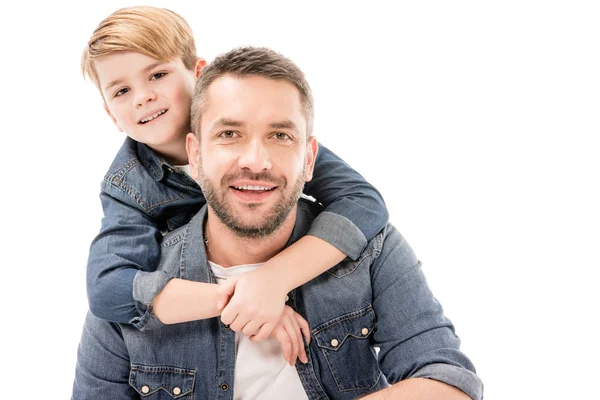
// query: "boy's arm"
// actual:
[[128, 242], [123, 283], [355, 212]]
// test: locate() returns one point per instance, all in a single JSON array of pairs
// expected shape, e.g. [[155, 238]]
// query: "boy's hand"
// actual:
[[288, 332], [256, 303]]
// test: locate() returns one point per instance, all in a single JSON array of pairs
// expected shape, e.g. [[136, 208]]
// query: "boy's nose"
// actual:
[[143, 96]]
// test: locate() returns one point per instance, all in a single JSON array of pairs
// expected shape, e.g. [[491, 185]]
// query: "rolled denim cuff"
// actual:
[[340, 232], [458, 377], [146, 285]]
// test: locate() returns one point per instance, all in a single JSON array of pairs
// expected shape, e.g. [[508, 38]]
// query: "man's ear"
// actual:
[[192, 145], [312, 149], [114, 120], [200, 64]]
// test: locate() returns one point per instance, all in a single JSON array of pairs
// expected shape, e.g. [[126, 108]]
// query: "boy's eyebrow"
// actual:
[[146, 69]]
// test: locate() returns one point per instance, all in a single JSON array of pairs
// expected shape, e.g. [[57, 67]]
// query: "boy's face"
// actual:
[[148, 99], [253, 156]]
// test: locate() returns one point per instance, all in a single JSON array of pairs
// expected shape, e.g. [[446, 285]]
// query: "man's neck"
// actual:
[[226, 248]]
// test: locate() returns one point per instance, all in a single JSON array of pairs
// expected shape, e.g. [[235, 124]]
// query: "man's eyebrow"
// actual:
[[284, 125], [226, 122], [146, 69]]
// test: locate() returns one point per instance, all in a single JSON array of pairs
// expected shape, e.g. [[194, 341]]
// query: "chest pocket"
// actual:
[[346, 345], [162, 382]]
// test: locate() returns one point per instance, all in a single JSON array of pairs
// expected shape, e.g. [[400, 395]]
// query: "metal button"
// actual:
[[334, 342], [226, 326], [145, 389], [224, 387], [365, 331], [176, 391]]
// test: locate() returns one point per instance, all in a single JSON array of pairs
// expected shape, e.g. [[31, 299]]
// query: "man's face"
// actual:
[[254, 156], [146, 98]]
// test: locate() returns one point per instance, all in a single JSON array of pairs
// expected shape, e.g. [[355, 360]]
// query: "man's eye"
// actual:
[[227, 134], [121, 92], [282, 136], [158, 75]]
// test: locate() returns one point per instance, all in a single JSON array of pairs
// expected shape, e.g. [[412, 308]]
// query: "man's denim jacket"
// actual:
[[143, 197], [380, 300]]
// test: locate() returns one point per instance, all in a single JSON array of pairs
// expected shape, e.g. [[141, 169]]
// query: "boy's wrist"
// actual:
[[278, 275]]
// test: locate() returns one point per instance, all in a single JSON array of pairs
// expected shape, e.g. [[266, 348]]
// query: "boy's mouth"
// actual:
[[153, 116]]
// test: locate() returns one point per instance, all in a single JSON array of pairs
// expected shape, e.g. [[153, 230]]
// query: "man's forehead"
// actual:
[[232, 100]]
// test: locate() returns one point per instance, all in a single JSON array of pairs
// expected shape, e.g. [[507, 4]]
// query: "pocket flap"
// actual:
[[332, 334], [177, 382]]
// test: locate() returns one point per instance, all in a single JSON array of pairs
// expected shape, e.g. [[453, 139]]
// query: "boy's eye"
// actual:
[[158, 75], [121, 92]]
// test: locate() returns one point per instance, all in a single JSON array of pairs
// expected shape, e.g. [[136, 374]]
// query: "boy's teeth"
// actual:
[[150, 118], [251, 187]]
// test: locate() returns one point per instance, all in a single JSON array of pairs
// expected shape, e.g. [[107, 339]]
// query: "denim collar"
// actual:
[[154, 164]]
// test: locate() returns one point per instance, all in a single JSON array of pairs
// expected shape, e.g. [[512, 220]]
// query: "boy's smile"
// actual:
[[152, 116], [149, 100]]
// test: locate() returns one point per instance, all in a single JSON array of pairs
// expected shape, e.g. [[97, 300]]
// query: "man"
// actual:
[[251, 150]]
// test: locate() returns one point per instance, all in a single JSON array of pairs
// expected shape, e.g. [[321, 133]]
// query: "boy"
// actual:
[[143, 61]]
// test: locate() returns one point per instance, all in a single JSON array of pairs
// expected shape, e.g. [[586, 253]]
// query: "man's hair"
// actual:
[[155, 32], [251, 61]]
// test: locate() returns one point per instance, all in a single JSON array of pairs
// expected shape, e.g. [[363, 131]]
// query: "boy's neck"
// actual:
[[174, 153]]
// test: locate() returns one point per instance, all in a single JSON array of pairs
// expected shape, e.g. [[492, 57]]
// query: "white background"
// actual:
[[478, 121]]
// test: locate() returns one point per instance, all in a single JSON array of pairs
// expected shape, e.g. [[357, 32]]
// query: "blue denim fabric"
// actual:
[[379, 300], [143, 196]]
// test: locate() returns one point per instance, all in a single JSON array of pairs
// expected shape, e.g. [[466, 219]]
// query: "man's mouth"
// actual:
[[253, 189], [153, 116]]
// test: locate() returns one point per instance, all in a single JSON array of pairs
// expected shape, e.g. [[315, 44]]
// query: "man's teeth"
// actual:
[[251, 187], [150, 118]]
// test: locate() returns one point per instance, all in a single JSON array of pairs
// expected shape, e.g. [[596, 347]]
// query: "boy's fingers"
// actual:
[[292, 330], [304, 328], [263, 332], [222, 299], [229, 313], [238, 323], [250, 328], [284, 340]]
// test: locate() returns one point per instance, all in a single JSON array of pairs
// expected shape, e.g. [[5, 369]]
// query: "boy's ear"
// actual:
[[312, 149], [193, 151], [200, 64], [114, 120]]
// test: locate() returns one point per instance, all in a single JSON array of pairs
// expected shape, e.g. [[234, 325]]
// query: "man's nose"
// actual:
[[143, 96], [255, 157]]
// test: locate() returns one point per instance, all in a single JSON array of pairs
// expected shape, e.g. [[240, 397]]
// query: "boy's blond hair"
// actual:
[[155, 32]]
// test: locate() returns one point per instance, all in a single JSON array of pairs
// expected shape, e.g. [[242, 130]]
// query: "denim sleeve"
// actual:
[[128, 244], [353, 206], [103, 364], [414, 337]]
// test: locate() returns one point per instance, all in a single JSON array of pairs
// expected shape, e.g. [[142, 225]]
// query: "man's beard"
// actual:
[[272, 219]]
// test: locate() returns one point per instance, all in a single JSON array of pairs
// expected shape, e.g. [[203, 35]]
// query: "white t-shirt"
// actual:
[[260, 370]]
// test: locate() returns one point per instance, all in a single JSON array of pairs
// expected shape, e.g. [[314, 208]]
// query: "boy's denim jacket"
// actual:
[[144, 197], [380, 300]]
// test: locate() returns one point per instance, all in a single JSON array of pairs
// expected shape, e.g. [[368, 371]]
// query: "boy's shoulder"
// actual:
[[135, 177], [133, 154]]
